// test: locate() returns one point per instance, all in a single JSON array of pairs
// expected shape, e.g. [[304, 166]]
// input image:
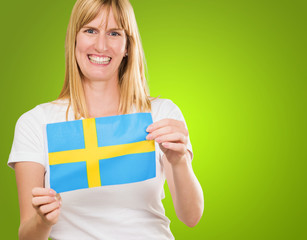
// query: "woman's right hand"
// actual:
[[47, 204]]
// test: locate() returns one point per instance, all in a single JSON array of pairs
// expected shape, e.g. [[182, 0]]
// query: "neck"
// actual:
[[102, 97]]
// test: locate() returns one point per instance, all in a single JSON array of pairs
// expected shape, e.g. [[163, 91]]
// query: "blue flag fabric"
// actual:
[[100, 151]]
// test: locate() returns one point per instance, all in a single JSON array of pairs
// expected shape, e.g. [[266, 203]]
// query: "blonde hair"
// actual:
[[132, 80]]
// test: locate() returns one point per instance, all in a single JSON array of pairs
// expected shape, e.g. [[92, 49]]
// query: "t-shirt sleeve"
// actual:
[[170, 110], [176, 114], [28, 142]]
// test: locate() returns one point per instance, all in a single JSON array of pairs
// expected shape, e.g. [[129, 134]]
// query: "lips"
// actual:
[[103, 60]]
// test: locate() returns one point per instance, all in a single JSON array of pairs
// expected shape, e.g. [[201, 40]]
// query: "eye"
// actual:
[[90, 30], [114, 34]]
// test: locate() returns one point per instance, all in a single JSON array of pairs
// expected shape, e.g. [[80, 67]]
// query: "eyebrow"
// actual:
[[110, 29]]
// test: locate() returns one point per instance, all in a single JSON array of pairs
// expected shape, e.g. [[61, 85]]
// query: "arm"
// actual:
[[39, 207], [185, 189]]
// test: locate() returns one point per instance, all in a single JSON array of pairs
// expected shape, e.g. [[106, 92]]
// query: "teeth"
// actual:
[[99, 60]]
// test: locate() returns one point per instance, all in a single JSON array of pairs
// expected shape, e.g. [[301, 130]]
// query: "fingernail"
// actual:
[[148, 129], [158, 140], [149, 137]]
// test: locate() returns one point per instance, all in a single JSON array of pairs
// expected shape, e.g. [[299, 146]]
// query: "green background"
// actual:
[[236, 69]]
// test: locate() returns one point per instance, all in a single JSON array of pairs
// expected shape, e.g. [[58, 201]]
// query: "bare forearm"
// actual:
[[188, 199], [172, 136], [34, 228]]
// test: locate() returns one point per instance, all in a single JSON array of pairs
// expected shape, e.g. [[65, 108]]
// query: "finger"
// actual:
[[178, 147], [37, 201], [58, 197], [43, 192], [44, 209], [164, 122], [52, 216], [163, 131], [172, 137]]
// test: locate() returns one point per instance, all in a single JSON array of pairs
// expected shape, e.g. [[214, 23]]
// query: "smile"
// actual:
[[99, 60]]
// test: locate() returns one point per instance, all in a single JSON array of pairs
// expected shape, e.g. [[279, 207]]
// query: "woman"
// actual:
[[104, 77]]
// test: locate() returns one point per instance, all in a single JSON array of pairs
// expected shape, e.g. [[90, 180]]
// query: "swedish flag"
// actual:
[[100, 151]]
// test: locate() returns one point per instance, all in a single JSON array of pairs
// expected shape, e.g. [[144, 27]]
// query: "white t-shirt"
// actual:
[[127, 211]]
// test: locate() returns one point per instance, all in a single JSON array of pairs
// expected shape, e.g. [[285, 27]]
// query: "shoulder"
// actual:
[[164, 108], [28, 144], [32, 117], [162, 104], [54, 111]]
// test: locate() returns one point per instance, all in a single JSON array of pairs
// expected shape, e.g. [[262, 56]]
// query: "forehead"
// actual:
[[104, 19]]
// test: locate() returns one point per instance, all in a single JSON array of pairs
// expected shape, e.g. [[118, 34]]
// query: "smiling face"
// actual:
[[100, 49]]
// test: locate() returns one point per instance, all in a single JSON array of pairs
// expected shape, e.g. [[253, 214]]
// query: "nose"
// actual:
[[101, 43]]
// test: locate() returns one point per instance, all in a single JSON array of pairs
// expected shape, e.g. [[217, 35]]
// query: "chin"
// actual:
[[97, 78]]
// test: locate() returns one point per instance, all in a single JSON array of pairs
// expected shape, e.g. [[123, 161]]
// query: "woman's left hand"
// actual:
[[172, 136]]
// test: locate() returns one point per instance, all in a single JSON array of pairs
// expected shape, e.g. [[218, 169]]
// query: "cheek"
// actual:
[[78, 56], [78, 49], [81, 44], [120, 47], [81, 47]]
